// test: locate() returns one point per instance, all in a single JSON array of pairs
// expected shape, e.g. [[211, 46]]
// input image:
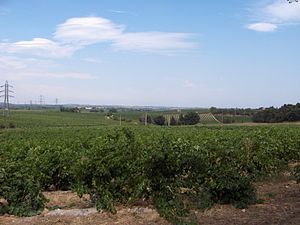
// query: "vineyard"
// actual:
[[179, 169]]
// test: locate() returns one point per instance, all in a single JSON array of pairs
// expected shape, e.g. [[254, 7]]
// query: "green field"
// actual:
[[178, 168], [40, 118]]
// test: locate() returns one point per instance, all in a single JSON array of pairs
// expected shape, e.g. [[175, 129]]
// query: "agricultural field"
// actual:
[[177, 170]]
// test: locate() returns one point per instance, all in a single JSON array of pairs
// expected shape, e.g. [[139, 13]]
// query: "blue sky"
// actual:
[[232, 53]]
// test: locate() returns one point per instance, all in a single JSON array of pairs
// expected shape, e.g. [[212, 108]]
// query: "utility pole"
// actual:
[[6, 90]]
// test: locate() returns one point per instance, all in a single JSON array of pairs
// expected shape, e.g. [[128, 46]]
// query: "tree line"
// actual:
[[286, 113], [190, 118], [233, 111]]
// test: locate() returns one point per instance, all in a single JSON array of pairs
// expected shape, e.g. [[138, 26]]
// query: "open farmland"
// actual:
[[176, 169]]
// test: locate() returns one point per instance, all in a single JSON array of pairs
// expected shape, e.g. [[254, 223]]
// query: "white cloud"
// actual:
[[282, 11], [39, 47], [271, 16], [153, 42], [262, 27], [90, 30], [77, 33], [7, 62], [87, 30]]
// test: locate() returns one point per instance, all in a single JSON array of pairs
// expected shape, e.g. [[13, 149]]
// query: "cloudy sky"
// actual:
[[232, 53]]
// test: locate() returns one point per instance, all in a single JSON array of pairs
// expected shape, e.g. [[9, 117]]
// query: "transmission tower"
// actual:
[[41, 100], [7, 94]]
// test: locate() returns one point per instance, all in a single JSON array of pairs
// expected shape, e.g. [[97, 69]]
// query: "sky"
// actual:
[[192, 53]]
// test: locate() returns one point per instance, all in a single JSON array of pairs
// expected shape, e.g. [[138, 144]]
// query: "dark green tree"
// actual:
[[149, 119], [181, 120], [159, 120], [191, 118], [173, 121]]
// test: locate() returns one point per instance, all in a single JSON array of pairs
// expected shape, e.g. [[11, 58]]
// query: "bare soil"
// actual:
[[281, 206]]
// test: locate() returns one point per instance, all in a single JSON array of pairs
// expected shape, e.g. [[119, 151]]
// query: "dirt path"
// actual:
[[281, 206]]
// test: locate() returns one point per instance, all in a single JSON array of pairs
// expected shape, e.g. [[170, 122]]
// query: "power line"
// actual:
[[7, 94]]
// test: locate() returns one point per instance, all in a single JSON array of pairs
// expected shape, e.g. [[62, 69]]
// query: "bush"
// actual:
[[51, 166], [111, 171], [20, 190]]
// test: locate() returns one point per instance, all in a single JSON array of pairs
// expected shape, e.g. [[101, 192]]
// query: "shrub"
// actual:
[[20, 190]]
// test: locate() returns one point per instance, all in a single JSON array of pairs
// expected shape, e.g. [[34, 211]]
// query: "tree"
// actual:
[[191, 118], [287, 112], [159, 120], [181, 120], [173, 122], [112, 110], [142, 119]]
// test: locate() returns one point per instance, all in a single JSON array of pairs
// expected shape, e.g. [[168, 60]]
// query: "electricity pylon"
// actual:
[[7, 94]]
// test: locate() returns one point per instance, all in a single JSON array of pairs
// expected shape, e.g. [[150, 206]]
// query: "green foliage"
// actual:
[[159, 120], [233, 111], [178, 168], [51, 166], [20, 190], [286, 113], [10, 125], [112, 110], [73, 110], [142, 119], [190, 118], [173, 121], [110, 170]]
